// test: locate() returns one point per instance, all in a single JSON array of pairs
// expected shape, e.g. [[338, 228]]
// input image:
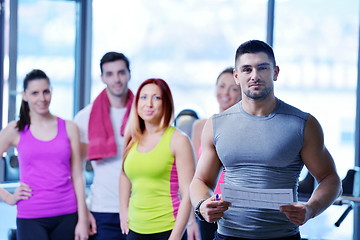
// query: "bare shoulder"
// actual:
[[11, 128], [71, 125], [208, 124], [179, 136], [312, 121], [10, 134], [71, 128], [313, 129], [180, 141], [181, 147], [199, 124]]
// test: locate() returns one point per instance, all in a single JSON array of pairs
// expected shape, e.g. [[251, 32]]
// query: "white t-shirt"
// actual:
[[104, 191]]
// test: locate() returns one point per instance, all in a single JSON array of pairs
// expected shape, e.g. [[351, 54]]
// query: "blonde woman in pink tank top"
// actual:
[[51, 196]]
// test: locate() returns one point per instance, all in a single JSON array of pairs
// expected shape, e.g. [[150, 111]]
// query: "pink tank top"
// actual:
[[45, 166]]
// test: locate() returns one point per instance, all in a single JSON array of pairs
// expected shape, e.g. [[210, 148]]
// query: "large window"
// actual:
[[187, 43], [46, 40], [316, 43], [38, 34]]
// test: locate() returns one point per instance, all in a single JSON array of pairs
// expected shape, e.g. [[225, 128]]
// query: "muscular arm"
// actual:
[[205, 178], [321, 165]]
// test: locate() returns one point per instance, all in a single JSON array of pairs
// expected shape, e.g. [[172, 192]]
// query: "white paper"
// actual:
[[256, 198]]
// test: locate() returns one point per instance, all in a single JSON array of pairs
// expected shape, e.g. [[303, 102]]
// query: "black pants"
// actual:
[[52, 228], [107, 226], [207, 230], [218, 236], [156, 236]]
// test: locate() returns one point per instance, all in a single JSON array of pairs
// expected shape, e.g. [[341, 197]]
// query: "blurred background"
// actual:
[[188, 43]]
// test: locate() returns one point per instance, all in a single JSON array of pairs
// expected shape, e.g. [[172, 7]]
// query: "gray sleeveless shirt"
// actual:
[[259, 152]]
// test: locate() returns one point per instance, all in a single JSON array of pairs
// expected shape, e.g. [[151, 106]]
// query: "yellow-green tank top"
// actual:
[[154, 200]]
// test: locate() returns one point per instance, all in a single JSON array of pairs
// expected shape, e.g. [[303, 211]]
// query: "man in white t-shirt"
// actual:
[[101, 125]]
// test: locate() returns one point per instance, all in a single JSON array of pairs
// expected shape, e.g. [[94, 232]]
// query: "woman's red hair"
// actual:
[[136, 126]]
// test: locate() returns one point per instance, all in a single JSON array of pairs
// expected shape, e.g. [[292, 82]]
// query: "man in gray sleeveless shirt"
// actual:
[[263, 143]]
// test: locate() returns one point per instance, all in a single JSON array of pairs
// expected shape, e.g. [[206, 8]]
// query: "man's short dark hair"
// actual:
[[112, 57], [255, 46]]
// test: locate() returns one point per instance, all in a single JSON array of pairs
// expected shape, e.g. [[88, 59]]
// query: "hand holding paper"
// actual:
[[297, 213], [256, 198], [213, 208]]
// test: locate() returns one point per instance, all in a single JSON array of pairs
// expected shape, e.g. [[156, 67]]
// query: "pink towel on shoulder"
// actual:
[[102, 142]]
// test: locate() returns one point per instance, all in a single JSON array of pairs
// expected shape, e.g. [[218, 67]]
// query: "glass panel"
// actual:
[[46, 40], [316, 45], [187, 43]]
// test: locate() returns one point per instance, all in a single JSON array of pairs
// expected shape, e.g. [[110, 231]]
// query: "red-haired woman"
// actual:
[[158, 162]]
